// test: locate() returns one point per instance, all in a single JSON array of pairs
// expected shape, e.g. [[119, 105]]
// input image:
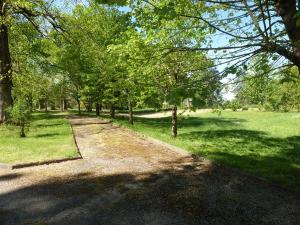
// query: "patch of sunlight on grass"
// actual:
[[263, 143], [49, 137]]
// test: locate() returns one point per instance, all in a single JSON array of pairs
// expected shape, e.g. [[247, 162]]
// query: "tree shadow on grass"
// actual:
[[48, 135], [186, 122], [43, 116], [45, 120], [225, 140], [48, 125], [184, 193], [277, 159]]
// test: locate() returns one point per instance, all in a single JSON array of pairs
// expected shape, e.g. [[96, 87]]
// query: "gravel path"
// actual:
[[125, 179]]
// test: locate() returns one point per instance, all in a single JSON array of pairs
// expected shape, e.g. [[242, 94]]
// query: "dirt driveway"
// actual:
[[124, 179]]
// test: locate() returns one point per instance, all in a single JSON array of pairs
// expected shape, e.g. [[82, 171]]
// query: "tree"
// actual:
[[179, 76], [20, 115], [171, 75], [269, 92], [93, 72], [132, 57], [256, 85], [12, 11], [247, 28]]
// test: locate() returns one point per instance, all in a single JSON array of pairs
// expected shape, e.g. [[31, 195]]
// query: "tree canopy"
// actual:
[[143, 53]]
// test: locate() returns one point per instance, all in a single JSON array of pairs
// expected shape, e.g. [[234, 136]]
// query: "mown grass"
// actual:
[[266, 144], [49, 137]]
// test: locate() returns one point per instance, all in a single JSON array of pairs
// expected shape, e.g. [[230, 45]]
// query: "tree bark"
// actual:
[[89, 107], [130, 113], [112, 112], [22, 132], [30, 102], [97, 109], [5, 74], [46, 105], [62, 105], [65, 104], [79, 108], [174, 121], [287, 10]]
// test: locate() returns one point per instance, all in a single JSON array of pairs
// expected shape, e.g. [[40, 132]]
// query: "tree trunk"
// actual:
[[174, 121], [65, 104], [46, 105], [22, 133], [30, 102], [89, 107], [288, 12], [62, 105], [5, 74], [97, 109], [130, 113], [79, 108], [112, 112]]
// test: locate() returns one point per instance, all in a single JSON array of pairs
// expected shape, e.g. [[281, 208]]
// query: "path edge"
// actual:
[[47, 162], [213, 163]]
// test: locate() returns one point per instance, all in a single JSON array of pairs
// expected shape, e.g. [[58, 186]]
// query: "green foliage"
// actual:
[[141, 57], [105, 58], [280, 92], [262, 143], [113, 2], [234, 105], [217, 111], [255, 86], [20, 115], [94, 76]]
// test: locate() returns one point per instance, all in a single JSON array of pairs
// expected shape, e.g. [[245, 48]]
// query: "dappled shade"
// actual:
[[229, 140], [184, 193]]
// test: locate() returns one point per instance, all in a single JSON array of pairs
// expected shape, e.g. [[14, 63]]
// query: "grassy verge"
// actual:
[[49, 137], [262, 143]]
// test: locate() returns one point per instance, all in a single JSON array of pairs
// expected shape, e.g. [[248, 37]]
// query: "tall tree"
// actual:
[[239, 29], [10, 12], [5, 66], [94, 72]]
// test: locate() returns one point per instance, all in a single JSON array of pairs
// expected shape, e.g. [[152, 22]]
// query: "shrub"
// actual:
[[20, 116], [226, 105], [234, 105], [218, 111], [269, 107]]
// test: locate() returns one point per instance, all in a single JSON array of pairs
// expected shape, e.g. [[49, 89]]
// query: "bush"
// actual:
[[269, 107], [218, 111], [20, 116], [225, 105], [234, 105]]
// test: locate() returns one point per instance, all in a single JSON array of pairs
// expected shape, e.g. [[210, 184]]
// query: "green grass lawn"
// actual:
[[266, 144], [49, 137]]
